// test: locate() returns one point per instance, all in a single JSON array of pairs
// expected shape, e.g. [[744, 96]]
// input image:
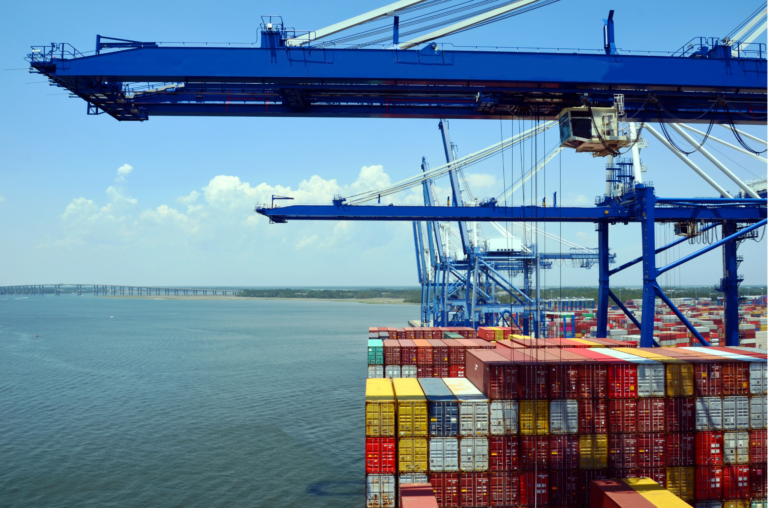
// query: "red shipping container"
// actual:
[[441, 371], [423, 352], [418, 333], [446, 489], [708, 379], [681, 450], [503, 454], [586, 477], [534, 488], [408, 333], [439, 352], [380, 455], [657, 474], [593, 416], [623, 472], [455, 352], [593, 381], [757, 444], [534, 453], [425, 371], [650, 415], [533, 382], [505, 489], [391, 352], [563, 381], [709, 448], [622, 451], [680, 415], [493, 374], [408, 352], [622, 416], [563, 488], [736, 482], [563, 453], [651, 450], [757, 481], [622, 381], [473, 490], [736, 378], [417, 495], [456, 371], [709, 483]]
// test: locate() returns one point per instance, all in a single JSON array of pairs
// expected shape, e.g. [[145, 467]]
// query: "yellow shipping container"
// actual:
[[379, 408], [680, 380], [411, 408], [534, 417], [642, 353], [680, 482], [736, 503], [412, 455], [589, 343], [655, 493], [593, 451], [498, 333]]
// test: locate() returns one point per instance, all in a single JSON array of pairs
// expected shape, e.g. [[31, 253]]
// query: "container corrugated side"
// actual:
[[380, 491], [412, 413], [593, 451], [474, 454], [444, 454], [564, 416], [681, 482], [380, 414], [534, 417], [412, 455], [504, 417]]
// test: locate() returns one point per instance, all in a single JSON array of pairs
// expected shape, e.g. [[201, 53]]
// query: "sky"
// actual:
[[88, 199]]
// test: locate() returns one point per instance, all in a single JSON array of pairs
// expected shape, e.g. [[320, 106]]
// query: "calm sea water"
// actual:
[[194, 403]]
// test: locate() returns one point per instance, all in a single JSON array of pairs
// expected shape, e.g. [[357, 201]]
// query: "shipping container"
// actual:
[[657, 474], [455, 352], [758, 441], [423, 352], [681, 449], [391, 352], [444, 454], [708, 504], [534, 487], [505, 489], [417, 495], [375, 372], [439, 352], [495, 375], [392, 371], [563, 488], [622, 381], [473, 454], [380, 412], [679, 380], [622, 416], [412, 478], [563, 453], [650, 380], [563, 381], [593, 416], [681, 482], [758, 413], [758, 378], [709, 483], [503, 453], [380, 491], [651, 450], [380, 455], [736, 447], [409, 371], [709, 413], [473, 407], [563, 416], [412, 455], [408, 352], [504, 417], [757, 480], [709, 448], [736, 413], [680, 414], [456, 371], [412, 414], [534, 417], [441, 371], [533, 382], [534, 453], [623, 472], [423, 371], [585, 479], [708, 379], [736, 482], [442, 408], [446, 489], [735, 378], [375, 352], [622, 451], [593, 451], [473, 490], [593, 381], [650, 415], [758, 503]]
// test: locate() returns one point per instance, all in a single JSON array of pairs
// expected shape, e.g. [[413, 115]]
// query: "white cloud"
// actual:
[[307, 241], [189, 199], [478, 180], [78, 208], [122, 172], [117, 196]]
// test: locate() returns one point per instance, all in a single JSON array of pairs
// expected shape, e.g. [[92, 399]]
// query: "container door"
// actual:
[[451, 455], [497, 418], [467, 454], [757, 413], [757, 378], [436, 454], [742, 413]]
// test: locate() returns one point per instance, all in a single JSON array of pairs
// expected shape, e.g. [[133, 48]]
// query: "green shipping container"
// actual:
[[375, 352]]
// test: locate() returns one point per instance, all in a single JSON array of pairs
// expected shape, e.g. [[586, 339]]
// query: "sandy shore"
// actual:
[[374, 301]]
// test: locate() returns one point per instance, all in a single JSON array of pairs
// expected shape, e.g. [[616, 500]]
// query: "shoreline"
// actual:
[[368, 301]]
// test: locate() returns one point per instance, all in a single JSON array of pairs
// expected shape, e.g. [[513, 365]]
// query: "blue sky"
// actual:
[[179, 212]]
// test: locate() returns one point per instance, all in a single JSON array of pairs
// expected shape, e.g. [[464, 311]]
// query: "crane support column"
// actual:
[[455, 186], [647, 203], [730, 285], [604, 287]]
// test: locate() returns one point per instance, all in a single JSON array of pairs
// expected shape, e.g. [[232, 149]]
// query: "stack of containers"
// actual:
[[375, 358], [443, 414], [380, 443]]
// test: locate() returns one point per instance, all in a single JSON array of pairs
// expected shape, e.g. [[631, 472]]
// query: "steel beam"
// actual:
[[603, 279], [730, 285]]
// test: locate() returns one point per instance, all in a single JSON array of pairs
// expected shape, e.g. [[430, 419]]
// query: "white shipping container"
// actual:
[[413, 478], [444, 454], [758, 503], [473, 418], [709, 413], [735, 413], [392, 371], [474, 454], [650, 380], [758, 413], [563, 417], [758, 378], [380, 491], [409, 371], [375, 371], [709, 504], [504, 416], [736, 447]]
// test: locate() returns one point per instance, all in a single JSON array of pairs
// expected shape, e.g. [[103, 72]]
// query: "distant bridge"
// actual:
[[112, 290]]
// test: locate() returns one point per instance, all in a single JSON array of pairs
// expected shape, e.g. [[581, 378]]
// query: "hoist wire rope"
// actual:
[[745, 22], [736, 133], [671, 141]]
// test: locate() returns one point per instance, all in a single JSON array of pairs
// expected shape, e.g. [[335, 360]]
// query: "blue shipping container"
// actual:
[[442, 406]]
